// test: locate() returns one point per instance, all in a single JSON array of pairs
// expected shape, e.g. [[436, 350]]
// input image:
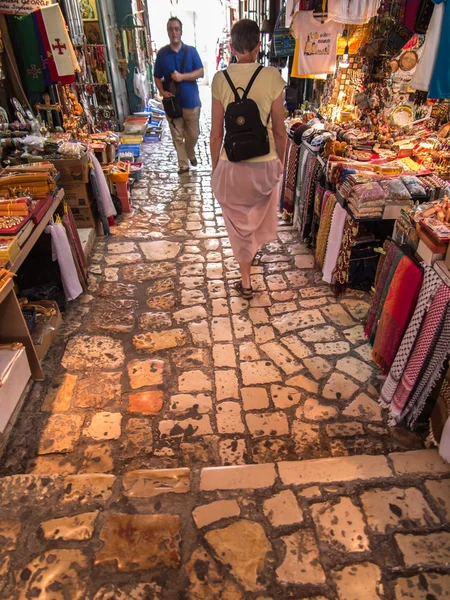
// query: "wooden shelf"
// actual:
[[36, 233]]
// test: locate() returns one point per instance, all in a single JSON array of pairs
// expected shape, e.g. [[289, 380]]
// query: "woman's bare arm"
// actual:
[[278, 127], [216, 137]]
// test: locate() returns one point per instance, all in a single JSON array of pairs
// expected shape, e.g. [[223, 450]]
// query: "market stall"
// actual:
[[367, 179]]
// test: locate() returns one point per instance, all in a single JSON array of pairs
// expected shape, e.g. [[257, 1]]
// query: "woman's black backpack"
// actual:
[[246, 136]]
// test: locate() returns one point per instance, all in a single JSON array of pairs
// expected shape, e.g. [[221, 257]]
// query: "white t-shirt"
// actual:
[[353, 12], [317, 43], [265, 90]]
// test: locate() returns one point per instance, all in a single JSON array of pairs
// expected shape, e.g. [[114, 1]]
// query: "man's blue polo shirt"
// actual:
[[168, 61]]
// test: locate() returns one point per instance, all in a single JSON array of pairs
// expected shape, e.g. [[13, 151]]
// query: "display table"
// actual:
[[13, 327]]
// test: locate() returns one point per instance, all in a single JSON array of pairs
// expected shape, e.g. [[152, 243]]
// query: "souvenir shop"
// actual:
[[67, 165], [367, 179]]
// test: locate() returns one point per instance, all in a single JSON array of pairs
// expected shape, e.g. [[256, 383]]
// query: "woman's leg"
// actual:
[[245, 274]]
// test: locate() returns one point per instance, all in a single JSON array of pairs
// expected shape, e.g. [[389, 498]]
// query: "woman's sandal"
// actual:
[[246, 293]]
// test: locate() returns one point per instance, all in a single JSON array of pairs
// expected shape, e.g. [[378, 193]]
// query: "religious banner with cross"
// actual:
[[62, 61], [28, 58]]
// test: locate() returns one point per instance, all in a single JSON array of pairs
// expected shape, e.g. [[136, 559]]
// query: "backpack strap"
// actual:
[[231, 84], [252, 81], [183, 60]]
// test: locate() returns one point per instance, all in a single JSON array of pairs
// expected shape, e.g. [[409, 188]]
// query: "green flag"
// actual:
[[29, 57]]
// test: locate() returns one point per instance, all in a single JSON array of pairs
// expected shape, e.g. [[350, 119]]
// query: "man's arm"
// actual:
[[193, 76], [216, 138], [161, 90]]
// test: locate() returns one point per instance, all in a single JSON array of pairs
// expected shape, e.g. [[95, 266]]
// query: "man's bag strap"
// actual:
[[183, 60]]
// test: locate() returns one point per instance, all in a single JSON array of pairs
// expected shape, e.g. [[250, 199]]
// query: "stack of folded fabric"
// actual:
[[413, 185], [346, 188], [396, 191], [367, 200]]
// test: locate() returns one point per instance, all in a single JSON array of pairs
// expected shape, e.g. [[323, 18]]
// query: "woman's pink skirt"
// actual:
[[248, 194]]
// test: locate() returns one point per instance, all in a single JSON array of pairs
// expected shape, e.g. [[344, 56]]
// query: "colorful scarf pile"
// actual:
[[423, 348], [431, 281], [324, 229], [396, 313], [340, 273]]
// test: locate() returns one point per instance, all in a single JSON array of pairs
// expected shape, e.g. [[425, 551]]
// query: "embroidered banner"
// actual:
[[22, 7]]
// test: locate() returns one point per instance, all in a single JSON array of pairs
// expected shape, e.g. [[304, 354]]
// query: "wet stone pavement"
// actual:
[[161, 372]]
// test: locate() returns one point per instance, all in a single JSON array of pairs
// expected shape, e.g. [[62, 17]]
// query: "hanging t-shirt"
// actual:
[[354, 12], [440, 80], [317, 43], [422, 77]]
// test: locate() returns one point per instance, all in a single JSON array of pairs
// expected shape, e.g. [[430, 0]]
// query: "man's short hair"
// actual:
[[175, 19], [245, 35]]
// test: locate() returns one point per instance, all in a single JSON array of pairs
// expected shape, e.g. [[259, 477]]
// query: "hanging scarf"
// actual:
[[291, 179], [62, 253], [283, 187], [326, 196], [380, 278], [431, 281], [62, 61], [324, 230], [431, 372], [397, 310], [421, 350], [384, 294], [105, 194], [309, 207], [334, 242], [74, 239], [340, 273], [308, 173], [29, 57]]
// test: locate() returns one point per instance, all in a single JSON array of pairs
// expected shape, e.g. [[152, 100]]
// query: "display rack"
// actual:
[[13, 327]]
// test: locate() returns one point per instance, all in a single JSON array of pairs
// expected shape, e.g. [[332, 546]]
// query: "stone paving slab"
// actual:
[[188, 534]]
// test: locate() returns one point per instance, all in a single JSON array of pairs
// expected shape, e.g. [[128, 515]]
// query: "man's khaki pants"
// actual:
[[185, 135]]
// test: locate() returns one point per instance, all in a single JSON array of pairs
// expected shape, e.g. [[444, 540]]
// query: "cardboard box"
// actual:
[[427, 255], [78, 194], [14, 375], [43, 339], [73, 170], [84, 216]]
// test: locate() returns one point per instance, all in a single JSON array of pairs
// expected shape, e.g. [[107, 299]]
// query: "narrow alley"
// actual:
[[160, 373]]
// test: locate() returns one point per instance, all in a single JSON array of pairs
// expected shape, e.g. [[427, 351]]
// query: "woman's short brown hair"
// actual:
[[245, 35]]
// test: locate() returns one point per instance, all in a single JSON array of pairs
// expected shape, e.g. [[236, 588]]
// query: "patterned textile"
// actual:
[[324, 202], [283, 187], [386, 247], [431, 281], [397, 310], [309, 207], [340, 273], [430, 375], [306, 188], [421, 350], [384, 293], [383, 270], [291, 178], [324, 230]]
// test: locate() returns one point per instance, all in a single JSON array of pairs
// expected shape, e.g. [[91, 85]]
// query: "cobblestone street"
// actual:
[[161, 372]]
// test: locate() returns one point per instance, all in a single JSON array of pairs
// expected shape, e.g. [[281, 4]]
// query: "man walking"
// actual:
[[177, 69]]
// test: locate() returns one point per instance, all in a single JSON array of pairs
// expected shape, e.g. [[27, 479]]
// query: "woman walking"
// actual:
[[247, 190]]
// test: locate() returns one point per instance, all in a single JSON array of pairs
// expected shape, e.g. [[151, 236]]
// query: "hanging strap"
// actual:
[[247, 90], [183, 60]]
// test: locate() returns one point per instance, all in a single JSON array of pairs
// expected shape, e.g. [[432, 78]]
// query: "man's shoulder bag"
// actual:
[[172, 105], [246, 136]]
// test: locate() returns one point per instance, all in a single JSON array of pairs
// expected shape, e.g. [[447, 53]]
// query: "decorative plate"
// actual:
[[408, 60], [4, 119]]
